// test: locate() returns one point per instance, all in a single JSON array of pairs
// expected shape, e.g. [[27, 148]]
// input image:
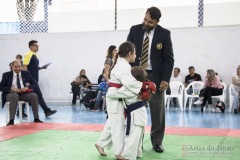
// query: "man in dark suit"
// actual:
[[16, 85], [155, 54]]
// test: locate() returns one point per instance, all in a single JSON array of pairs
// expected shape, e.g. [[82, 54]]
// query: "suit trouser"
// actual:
[[41, 100], [157, 110], [13, 99]]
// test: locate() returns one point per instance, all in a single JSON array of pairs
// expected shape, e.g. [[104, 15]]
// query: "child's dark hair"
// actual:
[[123, 51], [139, 73], [125, 48]]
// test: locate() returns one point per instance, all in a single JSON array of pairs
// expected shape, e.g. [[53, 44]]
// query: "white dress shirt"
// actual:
[[150, 36], [14, 82]]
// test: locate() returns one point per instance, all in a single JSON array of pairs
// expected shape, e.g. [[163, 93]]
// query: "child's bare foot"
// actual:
[[119, 157], [100, 150]]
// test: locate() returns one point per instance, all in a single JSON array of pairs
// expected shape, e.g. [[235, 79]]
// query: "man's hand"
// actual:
[[24, 89], [44, 67], [15, 89], [163, 85]]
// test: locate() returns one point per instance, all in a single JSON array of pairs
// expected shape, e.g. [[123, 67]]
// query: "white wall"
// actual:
[[215, 47]]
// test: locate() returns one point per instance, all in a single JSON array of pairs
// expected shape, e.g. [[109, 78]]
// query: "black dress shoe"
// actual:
[[37, 120], [50, 112], [158, 148], [235, 111], [11, 122]]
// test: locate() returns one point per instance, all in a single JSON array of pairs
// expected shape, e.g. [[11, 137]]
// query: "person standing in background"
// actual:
[[155, 54], [31, 64], [110, 60]]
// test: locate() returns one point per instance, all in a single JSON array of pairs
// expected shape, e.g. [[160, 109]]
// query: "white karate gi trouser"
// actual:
[[105, 140]]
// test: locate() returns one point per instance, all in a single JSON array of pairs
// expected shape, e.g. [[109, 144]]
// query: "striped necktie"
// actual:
[[144, 57], [18, 82]]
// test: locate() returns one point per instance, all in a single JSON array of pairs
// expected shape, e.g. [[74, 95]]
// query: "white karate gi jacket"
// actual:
[[121, 74]]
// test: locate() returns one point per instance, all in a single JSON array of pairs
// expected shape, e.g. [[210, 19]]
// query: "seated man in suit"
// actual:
[[15, 86]]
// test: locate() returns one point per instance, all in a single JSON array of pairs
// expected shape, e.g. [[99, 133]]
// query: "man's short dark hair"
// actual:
[[154, 12], [177, 69], [191, 67], [31, 43], [19, 55]]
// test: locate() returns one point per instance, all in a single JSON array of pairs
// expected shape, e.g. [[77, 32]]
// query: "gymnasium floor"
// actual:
[[72, 132]]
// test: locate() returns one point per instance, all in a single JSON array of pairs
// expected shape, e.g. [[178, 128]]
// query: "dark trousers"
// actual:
[[76, 92], [157, 115], [41, 100], [208, 92], [13, 99]]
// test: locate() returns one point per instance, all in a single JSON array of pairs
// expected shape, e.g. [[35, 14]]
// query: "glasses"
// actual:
[[35, 45]]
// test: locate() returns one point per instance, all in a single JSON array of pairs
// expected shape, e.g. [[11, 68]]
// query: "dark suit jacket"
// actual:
[[6, 83], [161, 55]]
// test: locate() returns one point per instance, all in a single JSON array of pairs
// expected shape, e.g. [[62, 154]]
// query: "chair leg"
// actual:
[[185, 103], [180, 101], [168, 102], [28, 111], [190, 103], [165, 101], [20, 111]]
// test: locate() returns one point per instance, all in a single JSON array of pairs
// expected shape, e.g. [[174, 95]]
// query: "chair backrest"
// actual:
[[230, 88], [196, 86], [224, 86], [230, 97], [176, 88]]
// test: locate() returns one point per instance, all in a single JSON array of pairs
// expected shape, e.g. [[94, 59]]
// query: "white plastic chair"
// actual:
[[196, 87], [221, 97], [176, 92], [20, 103]]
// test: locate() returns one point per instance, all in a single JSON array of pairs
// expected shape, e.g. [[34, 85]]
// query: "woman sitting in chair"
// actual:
[[82, 82], [212, 87]]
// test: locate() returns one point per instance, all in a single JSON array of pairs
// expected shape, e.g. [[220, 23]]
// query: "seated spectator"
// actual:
[[86, 85], [191, 77], [19, 58], [100, 94], [16, 85], [212, 87], [80, 81], [23, 106], [236, 90], [176, 76]]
